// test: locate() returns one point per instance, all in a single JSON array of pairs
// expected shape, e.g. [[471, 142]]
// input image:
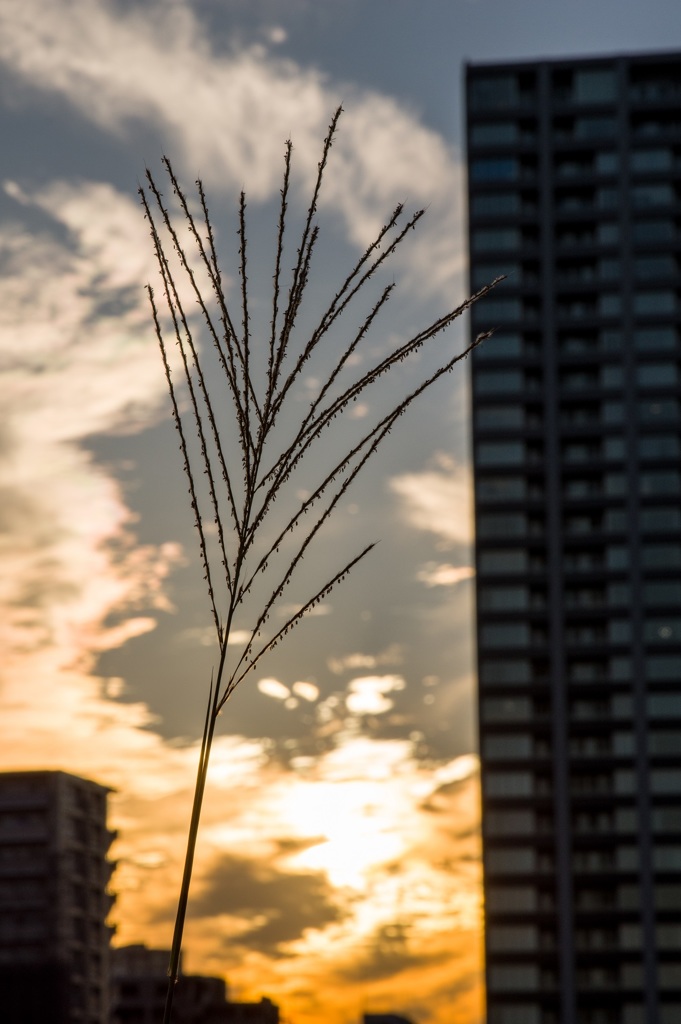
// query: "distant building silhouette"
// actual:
[[139, 985], [385, 1018], [54, 940]]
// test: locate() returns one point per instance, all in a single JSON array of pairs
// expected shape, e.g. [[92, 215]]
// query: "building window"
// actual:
[[496, 239], [652, 195], [661, 519], [503, 599], [508, 784], [493, 169], [595, 86], [661, 556], [657, 303], [509, 670], [652, 232], [513, 977], [502, 488], [502, 524], [664, 705], [654, 338], [490, 382], [652, 160], [508, 823], [503, 709], [495, 133], [511, 746], [500, 416], [662, 592], [509, 938], [503, 561], [496, 204]]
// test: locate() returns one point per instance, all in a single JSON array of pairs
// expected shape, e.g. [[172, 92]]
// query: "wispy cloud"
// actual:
[[444, 575], [438, 500], [225, 115]]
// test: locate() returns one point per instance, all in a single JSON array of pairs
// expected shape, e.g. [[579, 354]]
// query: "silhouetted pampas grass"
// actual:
[[244, 433]]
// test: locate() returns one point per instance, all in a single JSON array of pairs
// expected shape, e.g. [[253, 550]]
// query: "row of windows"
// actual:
[[513, 344], [619, 782], [522, 746], [496, 309], [584, 200], [611, 558], [608, 708], [646, 267], [663, 668], [649, 375], [522, 1012], [582, 86], [520, 633], [649, 447]]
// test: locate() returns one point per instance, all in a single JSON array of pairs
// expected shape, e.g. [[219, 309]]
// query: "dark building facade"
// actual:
[[54, 872], [575, 193]]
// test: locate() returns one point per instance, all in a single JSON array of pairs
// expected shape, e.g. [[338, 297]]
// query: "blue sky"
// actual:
[[369, 709]]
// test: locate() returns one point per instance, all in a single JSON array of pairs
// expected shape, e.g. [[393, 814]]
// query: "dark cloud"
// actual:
[[289, 902], [389, 953]]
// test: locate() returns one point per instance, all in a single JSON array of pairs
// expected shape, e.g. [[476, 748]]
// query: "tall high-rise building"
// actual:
[[575, 194], [54, 939]]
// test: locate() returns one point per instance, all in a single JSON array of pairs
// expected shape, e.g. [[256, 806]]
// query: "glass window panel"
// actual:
[[507, 822], [655, 338], [657, 374], [651, 160], [651, 268], [496, 204], [595, 127], [666, 630], [664, 705], [647, 232], [661, 556], [505, 634], [661, 519], [513, 977], [609, 305], [503, 561], [510, 670], [659, 410], [501, 488], [598, 85], [510, 898], [617, 557], [496, 309], [662, 592], [493, 92], [668, 897], [652, 195], [508, 784], [505, 168], [512, 745], [502, 345], [502, 709], [503, 599], [667, 858], [608, 234], [509, 938], [502, 452], [654, 303], [659, 446], [665, 742], [505, 416], [495, 524], [608, 162], [661, 482], [490, 382], [485, 273], [494, 132], [667, 819]]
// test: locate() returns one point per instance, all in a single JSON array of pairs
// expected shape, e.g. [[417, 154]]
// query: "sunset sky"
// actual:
[[338, 870]]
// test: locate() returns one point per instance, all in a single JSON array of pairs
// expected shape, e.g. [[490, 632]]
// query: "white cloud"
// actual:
[[273, 688], [438, 500], [225, 116], [368, 695], [434, 575]]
